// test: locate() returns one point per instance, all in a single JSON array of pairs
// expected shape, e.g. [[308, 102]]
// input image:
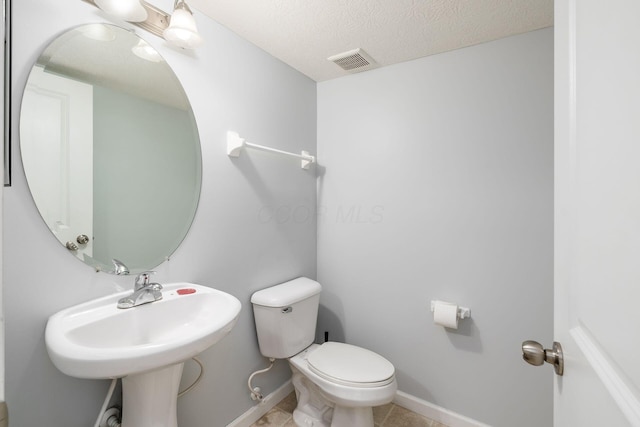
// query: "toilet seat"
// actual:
[[350, 365]]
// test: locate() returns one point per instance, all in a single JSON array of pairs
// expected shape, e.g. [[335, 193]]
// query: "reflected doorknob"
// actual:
[[534, 354]]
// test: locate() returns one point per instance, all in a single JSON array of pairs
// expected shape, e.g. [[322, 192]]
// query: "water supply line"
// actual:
[[197, 380], [256, 393]]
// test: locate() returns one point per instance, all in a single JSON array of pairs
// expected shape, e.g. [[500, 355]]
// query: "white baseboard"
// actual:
[[434, 412], [412, 403], [256, 412]]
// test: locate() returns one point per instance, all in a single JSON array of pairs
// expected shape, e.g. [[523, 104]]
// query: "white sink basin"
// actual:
[[98, 340]]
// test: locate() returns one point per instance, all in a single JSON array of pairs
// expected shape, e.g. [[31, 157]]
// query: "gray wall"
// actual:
[[231, 246], [438, 184]]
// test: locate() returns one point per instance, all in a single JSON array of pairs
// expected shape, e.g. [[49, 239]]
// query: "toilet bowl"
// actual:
[[336, 384]]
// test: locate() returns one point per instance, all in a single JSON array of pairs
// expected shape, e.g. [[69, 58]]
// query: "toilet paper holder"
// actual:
[[463, 312]]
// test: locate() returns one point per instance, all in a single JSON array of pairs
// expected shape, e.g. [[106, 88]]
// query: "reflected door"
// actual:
[[60, 111]]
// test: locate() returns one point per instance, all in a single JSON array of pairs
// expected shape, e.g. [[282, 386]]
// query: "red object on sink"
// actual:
[[185, 291]]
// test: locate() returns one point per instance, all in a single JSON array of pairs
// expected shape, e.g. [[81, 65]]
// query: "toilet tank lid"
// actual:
[[287, 293]]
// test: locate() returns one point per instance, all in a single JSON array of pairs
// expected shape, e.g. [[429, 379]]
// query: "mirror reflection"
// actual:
[[110, 148]]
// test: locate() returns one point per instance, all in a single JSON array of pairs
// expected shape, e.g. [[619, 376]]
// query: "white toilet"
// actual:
[[336, 384]]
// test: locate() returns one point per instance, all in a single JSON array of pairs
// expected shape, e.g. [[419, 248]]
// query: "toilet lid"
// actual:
[[350, 365]]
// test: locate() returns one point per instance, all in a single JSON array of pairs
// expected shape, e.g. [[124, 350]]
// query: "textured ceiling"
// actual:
[[304, 34]]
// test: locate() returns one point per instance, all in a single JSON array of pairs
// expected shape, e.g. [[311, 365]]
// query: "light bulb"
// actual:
[[145, 51], [129, 10], [182, 30], [98, 32]]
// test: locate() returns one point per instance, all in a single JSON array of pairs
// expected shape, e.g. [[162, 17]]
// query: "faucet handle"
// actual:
[[142, 279]]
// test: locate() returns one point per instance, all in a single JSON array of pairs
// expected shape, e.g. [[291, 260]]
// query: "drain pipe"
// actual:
[[256, 393], [111, 418]]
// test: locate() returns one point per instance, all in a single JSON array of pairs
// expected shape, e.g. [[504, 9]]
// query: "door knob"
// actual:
[[534, 354], [83, 239]]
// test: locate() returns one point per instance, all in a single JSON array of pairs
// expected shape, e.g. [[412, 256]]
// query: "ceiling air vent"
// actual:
[[353, 60]]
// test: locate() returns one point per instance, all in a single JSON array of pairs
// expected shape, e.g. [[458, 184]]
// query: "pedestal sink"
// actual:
[[146, 345]]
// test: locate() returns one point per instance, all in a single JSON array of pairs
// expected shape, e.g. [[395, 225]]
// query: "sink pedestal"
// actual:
[[149, 399]]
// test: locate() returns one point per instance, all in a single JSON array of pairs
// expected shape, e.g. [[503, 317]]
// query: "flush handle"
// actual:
[[534, 354], [287, 310]]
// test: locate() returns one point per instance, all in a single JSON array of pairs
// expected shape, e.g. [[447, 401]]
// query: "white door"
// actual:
[[56, 143], [597, 212]]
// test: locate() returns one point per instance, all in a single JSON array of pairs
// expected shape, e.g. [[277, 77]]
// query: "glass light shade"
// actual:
[[182, 31], [145, 51], [98, 32], [129, 10]]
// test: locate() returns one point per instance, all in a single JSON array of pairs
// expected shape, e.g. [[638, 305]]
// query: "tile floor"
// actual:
[[390, 415]]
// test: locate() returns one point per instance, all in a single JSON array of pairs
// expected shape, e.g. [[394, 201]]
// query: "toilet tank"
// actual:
[[286, 317]]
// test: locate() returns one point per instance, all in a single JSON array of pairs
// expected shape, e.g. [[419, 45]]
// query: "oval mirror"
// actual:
[[110, 148]]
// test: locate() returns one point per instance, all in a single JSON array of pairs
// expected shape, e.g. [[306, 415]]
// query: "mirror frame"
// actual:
[[7, 93]]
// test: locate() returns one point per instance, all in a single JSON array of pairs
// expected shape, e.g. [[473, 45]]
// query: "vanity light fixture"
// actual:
[[145, 51], [129, 10], [178, 28], [182, 29], [99, 32]]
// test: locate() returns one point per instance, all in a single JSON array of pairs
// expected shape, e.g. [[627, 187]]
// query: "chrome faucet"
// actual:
[[143, 292], [119, 268]]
